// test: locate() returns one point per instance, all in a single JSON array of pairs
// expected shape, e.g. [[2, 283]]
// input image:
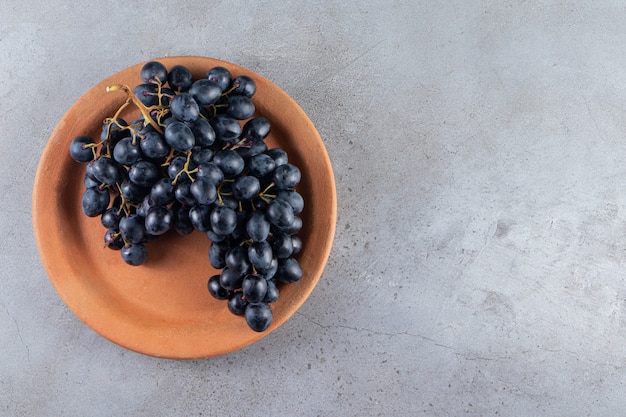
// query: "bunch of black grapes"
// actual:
[[196, 159]]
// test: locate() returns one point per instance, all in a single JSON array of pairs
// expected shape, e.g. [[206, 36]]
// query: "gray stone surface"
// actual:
[[478, 264]]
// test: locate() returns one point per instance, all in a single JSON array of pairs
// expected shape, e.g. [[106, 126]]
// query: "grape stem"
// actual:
[[186, 170], [125, 204], [142, 108]]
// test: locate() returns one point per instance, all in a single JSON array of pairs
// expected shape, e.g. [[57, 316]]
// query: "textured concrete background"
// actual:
[[478, 265]]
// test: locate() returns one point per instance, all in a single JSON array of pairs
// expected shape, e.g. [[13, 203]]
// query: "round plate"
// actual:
[[163, 308]]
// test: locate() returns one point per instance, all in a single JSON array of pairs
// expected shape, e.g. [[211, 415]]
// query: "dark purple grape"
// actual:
[[240, 233], [254, 288], [127, 151], [147, 93], [179, 136], [269, 273], [113, 240], [261, 165], [214, 237], [297, 244], [202, 156], [286, 176], [257, 226], [221, 76], [177, 166], [246, 187], [237, 304], [216, 290], [133, 192], [229, 162], [134, 254], [104, 170], [217, 254], [210, 171], [145, 206], [230, 279], [294, 199], [227, 128], [144, 173], [240, 107], [203, 190], [244, 85], [280, 213], [293, 228], [251, 149], [153, 72], [132, 228], [203, 132], [223, 220], [114, 130], [183, 194], [89, 182], [258, 316], [256, 130], [153, 145], [282, 245], [162, 192], [229, 200], [200, 217], [95, 201], [260, 254], [184, 108], [289, 271], [205, 92], [110, 219], [80, 149], [278, 155], [159, 220], [179, 78], [272, 293], [237, 259]]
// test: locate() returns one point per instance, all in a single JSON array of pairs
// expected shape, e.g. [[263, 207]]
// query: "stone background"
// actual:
[[477, 267]]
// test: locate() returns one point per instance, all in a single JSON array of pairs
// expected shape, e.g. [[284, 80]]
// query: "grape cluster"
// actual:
[[196, 160]]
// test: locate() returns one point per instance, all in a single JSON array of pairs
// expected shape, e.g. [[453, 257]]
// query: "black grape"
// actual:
[[179, 136], [256, 130], [205, 92], [127, 151], [179, 78], [246, 187], [229, 162], [237, 304], [81, 150], [153, 72], [220, 75], [258, 316], [134, 254], [132, 228], [216, 290], [203, 190], [95, 201], [153, 145], [159, 220], [286, 176], [184, 107], [240, 107], [227, 128], [242, 84]]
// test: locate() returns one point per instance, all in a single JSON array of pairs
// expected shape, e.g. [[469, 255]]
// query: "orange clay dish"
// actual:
[[162, 308]]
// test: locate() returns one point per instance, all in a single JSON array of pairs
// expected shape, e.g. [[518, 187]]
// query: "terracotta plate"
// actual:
[[163, 308]]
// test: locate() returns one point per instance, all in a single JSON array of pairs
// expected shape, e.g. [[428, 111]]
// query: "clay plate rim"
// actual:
[[156, 313]]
